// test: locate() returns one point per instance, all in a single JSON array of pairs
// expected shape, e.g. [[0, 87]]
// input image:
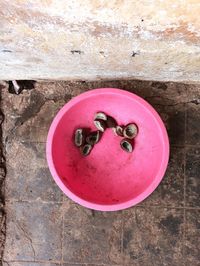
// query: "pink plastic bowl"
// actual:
[[109, 179]]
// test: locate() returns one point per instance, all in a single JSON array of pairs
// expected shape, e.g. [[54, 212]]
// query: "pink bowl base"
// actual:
[[108, 179]]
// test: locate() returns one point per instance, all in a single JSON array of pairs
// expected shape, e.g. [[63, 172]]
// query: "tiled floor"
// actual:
[[44, 228]]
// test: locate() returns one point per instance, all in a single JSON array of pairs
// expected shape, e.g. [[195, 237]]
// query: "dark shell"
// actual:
[[100, 125], [111, 122], [93, 137], [126, 145], [100, 116], [130, 131], [118, 131], [79, 137], [86, 149]]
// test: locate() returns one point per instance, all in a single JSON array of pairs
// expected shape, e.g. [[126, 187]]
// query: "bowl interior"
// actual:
[[108, 175]]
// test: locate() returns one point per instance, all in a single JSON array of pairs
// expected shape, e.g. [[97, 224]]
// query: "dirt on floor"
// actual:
[[45, 228]]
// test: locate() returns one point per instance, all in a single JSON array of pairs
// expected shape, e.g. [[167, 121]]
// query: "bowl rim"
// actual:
[[107, 207]]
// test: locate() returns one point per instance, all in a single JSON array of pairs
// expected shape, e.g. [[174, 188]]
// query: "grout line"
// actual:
[[3, 184], [31, 261], [192, 146], [185, 145], [62, 234], [136, 206], [122, 237], [33, 201], [59, 262], [184, 185], [62, 240], [167, 207]]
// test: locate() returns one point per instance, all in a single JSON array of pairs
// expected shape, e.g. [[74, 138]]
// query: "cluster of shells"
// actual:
[[86, 141]]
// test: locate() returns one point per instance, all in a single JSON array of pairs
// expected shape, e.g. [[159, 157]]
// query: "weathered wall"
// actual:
[[89, 39]]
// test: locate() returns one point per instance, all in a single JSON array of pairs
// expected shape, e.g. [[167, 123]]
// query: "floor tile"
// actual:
[[193, 177], [28, 176], [18, 109], [28, 117], [170, 191], [192, 244], [26, 114], [36, 127], [91, 236], [174, 118], [33, 232], [193, 124], [153, 236]]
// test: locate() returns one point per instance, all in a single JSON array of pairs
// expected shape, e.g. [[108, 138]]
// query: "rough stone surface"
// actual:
[[174, 119], [170, 191], [153, 237], [92, 237], [193, 125], [162, 230], [34, 232], [192, 250], [49, 39], [193, 177], [28, 176]]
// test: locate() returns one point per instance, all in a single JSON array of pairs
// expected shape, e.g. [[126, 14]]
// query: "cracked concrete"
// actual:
[[45, 228], [28, 238]]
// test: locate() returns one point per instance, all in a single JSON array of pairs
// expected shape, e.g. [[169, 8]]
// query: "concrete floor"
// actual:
[[45, 228]]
